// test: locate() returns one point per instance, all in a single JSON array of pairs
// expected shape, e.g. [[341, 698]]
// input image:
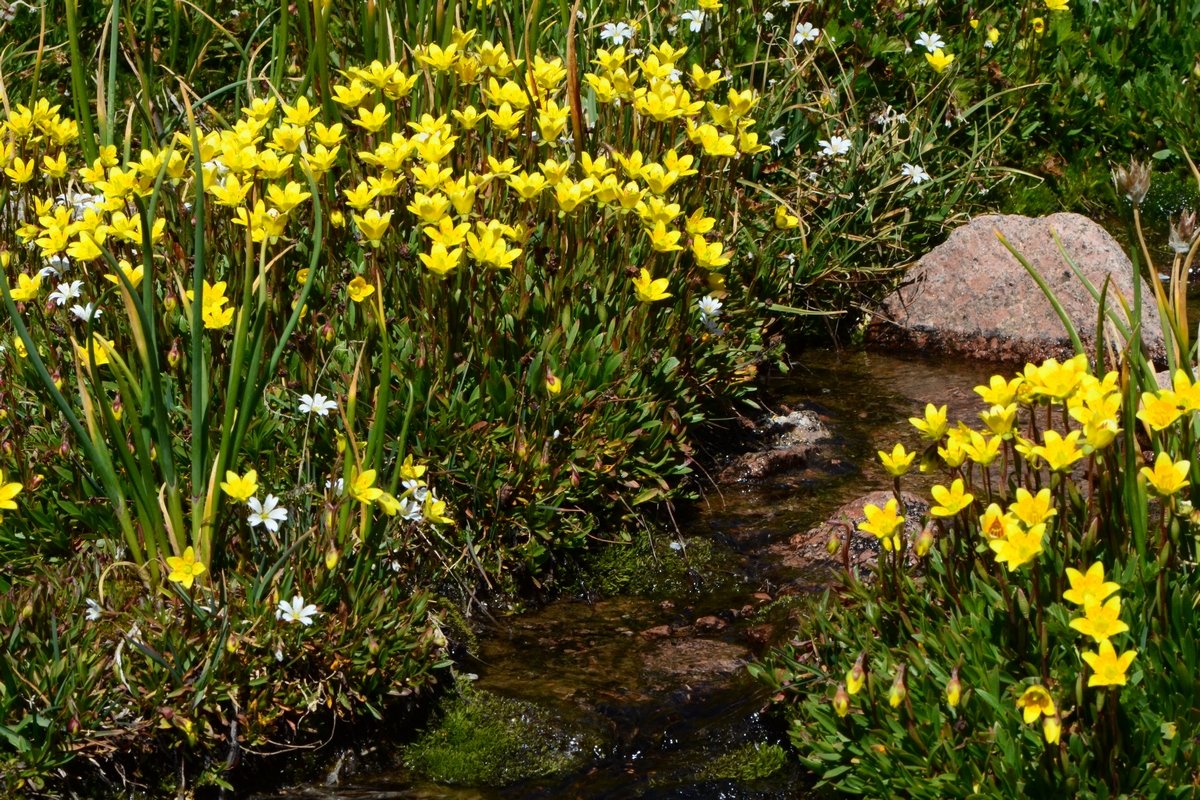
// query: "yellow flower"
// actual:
[[1108, 669], [1000, 419], [553, 383], [1168, 476], [709, 255], [1032, 509], [1060, 451], [899, 690], [410, 471], [934, 426], [1019, 547], [1099, 621], [650, 290], [1039, 25], [440, 260], [995, 524], [435, 510], [362, 487], [1159, 410], [8, 491], [1090, 587], [372, 121], [981, 449], [898, 462], [359, 289], [884, 523], [27, 287], [373, 225], [784, 220], [939, 60], [216, 316], [185, 569], [950, 501], [240, 487], [101, 346], [1056, 5], [1036, 702]]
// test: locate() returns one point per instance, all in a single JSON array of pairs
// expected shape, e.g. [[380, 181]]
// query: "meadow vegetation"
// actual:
[[324, 320]]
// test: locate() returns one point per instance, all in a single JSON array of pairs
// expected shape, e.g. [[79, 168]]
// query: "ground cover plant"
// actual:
[[1036, 638], [324, 320]]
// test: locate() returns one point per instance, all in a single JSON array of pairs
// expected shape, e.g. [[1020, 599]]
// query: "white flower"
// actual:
[[338, 486], [65, 292], [267, 513], [618, 33], [85, 313], [317, 404], [834, 146], [296, 611], [806, 32], [694, 18], [768, 16], [710, 307], [416, 488], [411, 509], [915, 173], [930, 41], [775, 137], [93, 610]]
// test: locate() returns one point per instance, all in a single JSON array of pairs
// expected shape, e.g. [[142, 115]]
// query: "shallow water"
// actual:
[[664, 682]]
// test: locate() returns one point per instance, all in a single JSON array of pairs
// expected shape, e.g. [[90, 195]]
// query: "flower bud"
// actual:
[[857, 676], [56, 376], [64, 449], [1183, 232], [331, 559], [925, 541], [1133, 182], [170, 303], [834, 544], [1052, 728], [841, 701], [953, 690], [899, 689], [174, 354], [327, 332]]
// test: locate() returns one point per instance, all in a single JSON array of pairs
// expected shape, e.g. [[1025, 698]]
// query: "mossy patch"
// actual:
[[483, 739], [659, 567], [750, 762]]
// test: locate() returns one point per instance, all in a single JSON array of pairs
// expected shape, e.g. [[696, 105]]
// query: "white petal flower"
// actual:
[[694, 18], [775, 137], [835, 146], [93, 610], [317, 404], [616, 33], [85, 313], [65, 292], [710, 307], [296, 611], [806, 32], [915, 173], [930, 41], [267, 513]]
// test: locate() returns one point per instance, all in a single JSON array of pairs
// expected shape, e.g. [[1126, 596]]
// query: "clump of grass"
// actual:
[[750, 762]]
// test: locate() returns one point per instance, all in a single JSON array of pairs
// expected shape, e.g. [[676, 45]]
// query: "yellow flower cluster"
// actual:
[[1100, 621]]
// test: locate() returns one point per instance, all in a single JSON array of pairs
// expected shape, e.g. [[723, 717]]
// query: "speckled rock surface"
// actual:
[[971, 297]]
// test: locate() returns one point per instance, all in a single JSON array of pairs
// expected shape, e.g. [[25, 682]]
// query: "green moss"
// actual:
[[657, 567], [483, 739], [749, 762]]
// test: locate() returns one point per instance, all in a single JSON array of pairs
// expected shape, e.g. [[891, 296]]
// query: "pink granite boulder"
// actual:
[[971, 297]]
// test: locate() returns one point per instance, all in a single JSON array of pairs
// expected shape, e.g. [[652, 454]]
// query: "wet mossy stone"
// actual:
[[483, 739]]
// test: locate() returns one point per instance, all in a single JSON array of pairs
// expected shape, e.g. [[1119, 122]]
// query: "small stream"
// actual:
[[660, 682]]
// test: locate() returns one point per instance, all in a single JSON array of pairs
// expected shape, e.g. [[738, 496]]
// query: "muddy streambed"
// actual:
[[645, 694]]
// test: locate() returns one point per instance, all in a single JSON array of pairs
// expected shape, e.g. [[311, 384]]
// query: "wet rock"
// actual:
[[970, 297], [709, 624], [790, 441], [806, 553], [657, 632], [693, 661]]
